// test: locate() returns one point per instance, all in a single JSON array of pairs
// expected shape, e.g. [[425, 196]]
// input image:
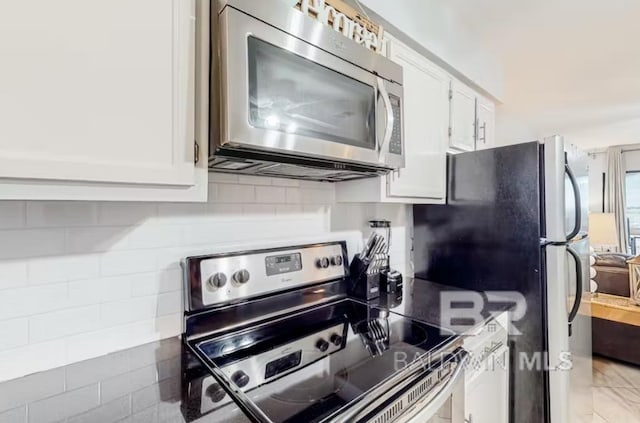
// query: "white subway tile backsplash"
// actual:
[[82, 279], [86, 292], [270, 195], [29, 359], [228, 193], [128, 262], [259, 209], [281, 182], [128, 311], [294, 196], [48, 326], [224, 211], [317, 196], [61, 213], [97, 239], [169, 303], [289, 209], [13, 274], [12, 214], [14, 333], [253, 180], [31, 300], [94, 344], [117, 214], [66, 268], [181, 213], [317, 185], [31, 243], [155, 236], [218, 177], [117, 288], [155, 283], [212, 193]]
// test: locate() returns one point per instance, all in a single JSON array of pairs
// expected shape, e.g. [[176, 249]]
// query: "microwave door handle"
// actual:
[[388, 130]]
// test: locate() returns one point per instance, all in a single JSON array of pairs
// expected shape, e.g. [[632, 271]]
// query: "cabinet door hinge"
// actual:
[[450, 94], [450, 132], [196, 152]]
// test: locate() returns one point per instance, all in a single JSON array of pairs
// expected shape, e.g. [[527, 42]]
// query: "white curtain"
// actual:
[[615, 201]]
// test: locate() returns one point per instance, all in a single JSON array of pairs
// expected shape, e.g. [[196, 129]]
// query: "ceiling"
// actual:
[[569, 66]]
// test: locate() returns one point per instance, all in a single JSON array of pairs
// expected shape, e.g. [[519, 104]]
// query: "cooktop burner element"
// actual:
[[321, 358]]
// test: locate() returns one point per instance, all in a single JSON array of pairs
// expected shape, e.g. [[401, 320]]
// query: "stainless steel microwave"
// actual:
[[294, 98]]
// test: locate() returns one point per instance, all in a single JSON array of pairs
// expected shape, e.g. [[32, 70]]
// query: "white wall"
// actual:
[[437, 27], [82, 279]]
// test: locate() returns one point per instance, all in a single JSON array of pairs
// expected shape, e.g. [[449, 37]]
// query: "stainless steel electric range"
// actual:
[[271, 336]]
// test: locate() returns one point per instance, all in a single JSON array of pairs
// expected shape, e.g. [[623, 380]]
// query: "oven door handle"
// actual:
[[430, 405], [388, 130]]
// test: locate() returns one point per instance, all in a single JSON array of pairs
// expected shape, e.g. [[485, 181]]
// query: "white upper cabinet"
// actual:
[[425, 127], [426, 121], [99, 97], [486, 121], [462, 117]]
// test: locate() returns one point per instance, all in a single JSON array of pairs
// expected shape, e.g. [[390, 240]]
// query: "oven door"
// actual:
[[282, 94], [437, 396]]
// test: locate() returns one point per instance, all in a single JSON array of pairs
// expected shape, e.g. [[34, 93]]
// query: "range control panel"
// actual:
[[265, 367], [229, 277]]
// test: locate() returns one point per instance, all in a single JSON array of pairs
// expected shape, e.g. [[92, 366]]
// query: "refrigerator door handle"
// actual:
[[578, 298], [578, 202]]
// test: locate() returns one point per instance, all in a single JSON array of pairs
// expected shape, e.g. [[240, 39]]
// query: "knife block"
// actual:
[[365, 280]]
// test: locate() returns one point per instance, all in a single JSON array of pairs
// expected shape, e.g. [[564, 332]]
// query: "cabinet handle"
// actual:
[[476, 131], [196, 152], [484, 133]]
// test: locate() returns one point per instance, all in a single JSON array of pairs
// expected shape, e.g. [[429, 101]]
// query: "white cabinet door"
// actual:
[[462, 117], [98, 91], [486, 123], [425, 127], [487, 395]]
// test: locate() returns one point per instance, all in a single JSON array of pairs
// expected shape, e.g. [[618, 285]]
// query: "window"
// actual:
[[632, 198]]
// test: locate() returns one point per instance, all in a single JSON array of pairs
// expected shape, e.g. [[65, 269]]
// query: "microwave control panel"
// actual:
[[395, 144]]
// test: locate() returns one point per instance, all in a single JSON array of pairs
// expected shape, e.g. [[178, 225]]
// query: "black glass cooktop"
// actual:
[[311, 365]]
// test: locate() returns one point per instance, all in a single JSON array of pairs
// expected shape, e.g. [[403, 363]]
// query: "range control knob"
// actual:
[[336, 339], [240, 378], [322, 345], [322, 262], [336, 261], [217, 281], [242, 276], [216, 393]]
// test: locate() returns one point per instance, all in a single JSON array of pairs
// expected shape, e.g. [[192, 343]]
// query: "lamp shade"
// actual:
[[602, 229]]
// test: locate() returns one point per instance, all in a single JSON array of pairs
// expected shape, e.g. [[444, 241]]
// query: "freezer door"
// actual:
[[569, 332], [566, 190]]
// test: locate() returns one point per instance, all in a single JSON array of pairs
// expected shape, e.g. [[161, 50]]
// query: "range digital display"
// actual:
[[285, 263], [283, 364]]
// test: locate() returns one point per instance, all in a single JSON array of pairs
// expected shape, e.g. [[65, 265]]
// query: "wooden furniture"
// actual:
[[616, 328]]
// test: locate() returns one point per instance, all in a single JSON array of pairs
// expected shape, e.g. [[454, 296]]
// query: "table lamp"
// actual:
[[602, 232]]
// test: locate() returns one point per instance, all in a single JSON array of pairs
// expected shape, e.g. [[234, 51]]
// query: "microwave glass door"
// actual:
[[294, 95]]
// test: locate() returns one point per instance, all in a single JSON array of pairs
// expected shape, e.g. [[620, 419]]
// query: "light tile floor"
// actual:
[[616, 392]]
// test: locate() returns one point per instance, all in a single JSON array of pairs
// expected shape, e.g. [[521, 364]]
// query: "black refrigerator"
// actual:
[[515, 220]]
